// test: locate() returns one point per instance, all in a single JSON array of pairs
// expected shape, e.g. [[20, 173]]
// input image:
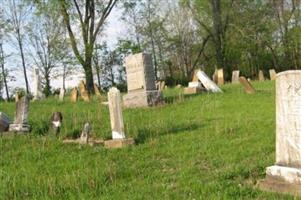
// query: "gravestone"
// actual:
[[261, 76], [214, 76], [235, 76], [116, 118], [207, 82], [83, 92], [4, 122], [74, 95], [194, 87], [141, 82], [21, 116], [62, 94], [220, 77], [17, 97], [247, 85], [37, 86], [272, 74], [84, 137], [285, 175], [97, 90], [56, 122]]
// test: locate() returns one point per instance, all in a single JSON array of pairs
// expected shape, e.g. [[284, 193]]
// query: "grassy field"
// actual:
[[210, 146]]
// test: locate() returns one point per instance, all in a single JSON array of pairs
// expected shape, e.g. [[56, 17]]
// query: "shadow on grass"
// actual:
[[146, 133]]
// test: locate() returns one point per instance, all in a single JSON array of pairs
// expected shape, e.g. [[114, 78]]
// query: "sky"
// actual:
[[114, 29]]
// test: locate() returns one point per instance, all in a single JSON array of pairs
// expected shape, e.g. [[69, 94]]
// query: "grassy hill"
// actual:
[[210, 146]]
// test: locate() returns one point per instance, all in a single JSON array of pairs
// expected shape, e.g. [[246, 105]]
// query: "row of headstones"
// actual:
[[20, 124]]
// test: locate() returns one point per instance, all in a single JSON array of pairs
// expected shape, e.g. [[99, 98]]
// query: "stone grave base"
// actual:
[[282, 180], [143, 98], [19, 128], [91, 141], [192, 90], [119, 143]]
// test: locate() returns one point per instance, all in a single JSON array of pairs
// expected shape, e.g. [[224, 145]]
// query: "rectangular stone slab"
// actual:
[[207, 82], [235, 76], [119, 143]]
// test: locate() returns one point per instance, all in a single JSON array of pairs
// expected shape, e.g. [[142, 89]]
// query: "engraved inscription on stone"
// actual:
[[288, 112]]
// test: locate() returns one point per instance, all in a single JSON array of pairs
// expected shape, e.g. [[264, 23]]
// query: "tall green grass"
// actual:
[[208, 146]]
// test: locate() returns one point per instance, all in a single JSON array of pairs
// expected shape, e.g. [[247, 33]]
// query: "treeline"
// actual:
[[63, 38]]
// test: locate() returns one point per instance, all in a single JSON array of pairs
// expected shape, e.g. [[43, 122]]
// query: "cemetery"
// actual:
[[150, 99]]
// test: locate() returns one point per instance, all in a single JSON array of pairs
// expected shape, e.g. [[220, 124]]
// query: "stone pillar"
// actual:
[[116, 114], [220, 77], [286, 173], [37, 86], [21, 117]]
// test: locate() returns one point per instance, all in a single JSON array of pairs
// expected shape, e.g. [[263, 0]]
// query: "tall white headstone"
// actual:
[[37, 86], [116, 114], [287, 169]]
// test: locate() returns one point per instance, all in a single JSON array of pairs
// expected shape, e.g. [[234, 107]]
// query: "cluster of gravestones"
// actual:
[[284, 176]]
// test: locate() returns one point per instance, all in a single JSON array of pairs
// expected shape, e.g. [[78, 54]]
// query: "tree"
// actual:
[[16, 13], [90, 25]]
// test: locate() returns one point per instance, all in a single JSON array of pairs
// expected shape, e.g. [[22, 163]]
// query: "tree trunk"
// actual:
[[89, 77], [3, 72], [23, 61]]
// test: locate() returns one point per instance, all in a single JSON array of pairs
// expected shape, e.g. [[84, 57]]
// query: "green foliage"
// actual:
[[206, 147]]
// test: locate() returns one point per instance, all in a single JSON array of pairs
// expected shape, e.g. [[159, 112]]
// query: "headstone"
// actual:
[[247, 85], [215, 77], [141, 83], [62, 94], [4, 122], [272, 74], [235, 76], [285, 175], [74, 95], [115, 108], [56, 122], [97, 90], [195, 78], [83, 92], [37, 86], [261, 76], [179, 86], [207, 82], [21, 117], [17, 97], [220, 77], [84, 137]]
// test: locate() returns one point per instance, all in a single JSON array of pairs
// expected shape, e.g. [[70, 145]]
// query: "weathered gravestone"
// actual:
[[194, 86], [74, 95], [261, 76], [84, 137], [83, 92], [207, 82], [272, 74], [21, 117], [220, 77], [160, 85], [4, 122], [214, 76], [247, 85], [37, 86], [141, 82], [115, 108], [235, 76], [62, 94], [285, 175]]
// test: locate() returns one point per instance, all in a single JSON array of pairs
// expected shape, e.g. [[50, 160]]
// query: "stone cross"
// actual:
[[261, 75], [272, 74], [235, 76], [220, 77], [37, 86], [116, 114], [21, 116], [247, 85], [286, 173]]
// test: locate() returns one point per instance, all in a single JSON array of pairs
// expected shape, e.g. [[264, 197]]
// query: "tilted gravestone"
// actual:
[[141, 82], [21, 117], [207, 82], [4, 122], [261, 76], [74, 95], [247, 85], [235, 76], [285, 175], [37, 86], [272, 74], [220, 77], [115, 108]]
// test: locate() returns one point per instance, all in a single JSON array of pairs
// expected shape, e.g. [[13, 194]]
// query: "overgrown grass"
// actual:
[[210, 146]]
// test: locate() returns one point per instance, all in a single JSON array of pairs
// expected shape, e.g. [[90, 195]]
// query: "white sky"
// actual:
[[114, 29]]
